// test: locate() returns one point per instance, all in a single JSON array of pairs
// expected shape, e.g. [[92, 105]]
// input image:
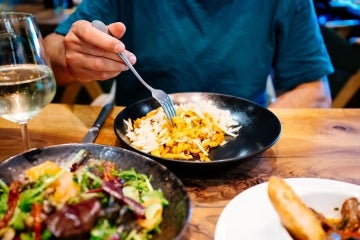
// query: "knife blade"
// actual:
[[94, 130]]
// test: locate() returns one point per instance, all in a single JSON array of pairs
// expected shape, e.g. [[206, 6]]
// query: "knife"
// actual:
[[94, 130]]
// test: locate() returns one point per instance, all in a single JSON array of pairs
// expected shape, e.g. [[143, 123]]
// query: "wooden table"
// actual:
[[323, 143]]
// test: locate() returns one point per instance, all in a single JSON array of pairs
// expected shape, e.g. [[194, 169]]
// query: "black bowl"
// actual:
[[175, 216], [260, 130]]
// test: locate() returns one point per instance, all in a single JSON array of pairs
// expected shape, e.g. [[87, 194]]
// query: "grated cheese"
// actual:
[[196, 128]]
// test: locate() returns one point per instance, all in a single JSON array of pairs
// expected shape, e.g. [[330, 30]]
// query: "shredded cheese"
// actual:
[[194, 131]]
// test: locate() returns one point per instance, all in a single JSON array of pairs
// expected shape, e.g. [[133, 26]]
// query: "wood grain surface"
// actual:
[[321, 143]]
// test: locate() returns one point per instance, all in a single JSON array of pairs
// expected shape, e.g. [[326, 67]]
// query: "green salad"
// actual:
[[92, 201]]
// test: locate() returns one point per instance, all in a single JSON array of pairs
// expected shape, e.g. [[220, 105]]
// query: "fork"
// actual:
[[158, 94]]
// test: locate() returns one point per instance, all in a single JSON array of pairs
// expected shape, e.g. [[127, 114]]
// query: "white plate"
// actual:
[[250, 215]]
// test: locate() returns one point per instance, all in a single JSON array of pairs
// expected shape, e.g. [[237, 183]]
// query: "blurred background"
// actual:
[[340, 25]]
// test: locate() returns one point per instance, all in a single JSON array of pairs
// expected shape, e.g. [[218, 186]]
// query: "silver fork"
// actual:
[[158, 94]]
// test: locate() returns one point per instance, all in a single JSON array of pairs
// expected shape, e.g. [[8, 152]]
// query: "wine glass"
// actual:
[[27, 83]]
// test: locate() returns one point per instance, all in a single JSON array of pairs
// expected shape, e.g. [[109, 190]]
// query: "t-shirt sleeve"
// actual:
[[301, 54]]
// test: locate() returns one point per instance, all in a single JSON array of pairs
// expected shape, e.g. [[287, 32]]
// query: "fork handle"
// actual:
[[127, 62], [102, 27]]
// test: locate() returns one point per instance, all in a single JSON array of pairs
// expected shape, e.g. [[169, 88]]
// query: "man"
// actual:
[[227, 46]]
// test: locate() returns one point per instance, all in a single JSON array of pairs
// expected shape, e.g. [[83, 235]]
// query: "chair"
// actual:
[[72, 91], [344, 52], [94, 89], [104, 98], [348, 91]]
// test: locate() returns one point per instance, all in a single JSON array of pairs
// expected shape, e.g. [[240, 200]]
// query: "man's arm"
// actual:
[[314, 94], [87, 54]]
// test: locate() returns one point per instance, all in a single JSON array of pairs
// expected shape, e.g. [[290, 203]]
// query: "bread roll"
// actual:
[[300, 221]]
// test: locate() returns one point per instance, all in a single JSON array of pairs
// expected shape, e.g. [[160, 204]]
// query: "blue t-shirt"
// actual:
[[227, 46]]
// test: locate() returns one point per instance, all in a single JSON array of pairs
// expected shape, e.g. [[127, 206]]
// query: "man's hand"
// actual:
[[86, 53]]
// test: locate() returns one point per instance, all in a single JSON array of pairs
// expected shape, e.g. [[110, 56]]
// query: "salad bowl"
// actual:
[[176, 214]]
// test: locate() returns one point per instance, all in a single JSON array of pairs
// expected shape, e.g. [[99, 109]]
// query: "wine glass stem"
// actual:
[[25, 135]]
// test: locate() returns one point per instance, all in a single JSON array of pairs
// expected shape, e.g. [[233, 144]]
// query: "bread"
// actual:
[[300, 221]]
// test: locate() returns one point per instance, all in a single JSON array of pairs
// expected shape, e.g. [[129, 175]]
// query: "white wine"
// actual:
[[24, 90]]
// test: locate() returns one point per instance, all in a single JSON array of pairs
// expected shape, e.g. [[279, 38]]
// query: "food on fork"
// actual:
[[304, 223], [194, 131]]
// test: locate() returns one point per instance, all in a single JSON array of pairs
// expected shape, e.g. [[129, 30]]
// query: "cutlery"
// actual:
[[158, 94], [95, 129]]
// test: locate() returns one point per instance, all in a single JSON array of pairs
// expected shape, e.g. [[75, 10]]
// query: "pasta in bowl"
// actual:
[[248, 128], [190, 136]]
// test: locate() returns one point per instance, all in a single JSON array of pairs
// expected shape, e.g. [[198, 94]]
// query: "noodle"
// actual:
[[193, 132]]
